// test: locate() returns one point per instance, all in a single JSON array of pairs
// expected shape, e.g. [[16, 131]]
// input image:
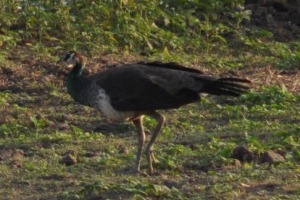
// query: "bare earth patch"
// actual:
[[282, 18]]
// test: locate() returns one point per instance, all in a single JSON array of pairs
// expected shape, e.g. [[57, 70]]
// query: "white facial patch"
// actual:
[[70, 59]]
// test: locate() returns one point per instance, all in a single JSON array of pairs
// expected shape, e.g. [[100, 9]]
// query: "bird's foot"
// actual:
[[150, 171], [154, 160], [153, 172], [151, 157]]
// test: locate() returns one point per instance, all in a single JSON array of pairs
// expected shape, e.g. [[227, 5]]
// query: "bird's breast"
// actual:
[[102, 102]]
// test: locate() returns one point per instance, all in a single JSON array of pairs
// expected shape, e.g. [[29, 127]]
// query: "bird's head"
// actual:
[[71, 58]]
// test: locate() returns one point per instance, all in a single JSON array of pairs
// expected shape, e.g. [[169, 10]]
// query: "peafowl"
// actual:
[[132, 91]]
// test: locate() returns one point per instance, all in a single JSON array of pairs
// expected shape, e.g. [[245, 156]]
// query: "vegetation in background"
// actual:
[[127, 24], [160, 29]]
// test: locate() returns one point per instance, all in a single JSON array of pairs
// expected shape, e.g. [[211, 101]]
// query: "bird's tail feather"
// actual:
[[226, 86]]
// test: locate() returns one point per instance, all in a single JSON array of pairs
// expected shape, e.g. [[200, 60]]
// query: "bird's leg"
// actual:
[[138, 122], [149, 151]]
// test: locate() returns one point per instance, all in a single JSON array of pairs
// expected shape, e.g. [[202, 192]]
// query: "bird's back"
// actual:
[[150, 86]]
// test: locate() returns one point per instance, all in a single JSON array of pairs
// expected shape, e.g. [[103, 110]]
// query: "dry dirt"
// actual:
[[281, 17]]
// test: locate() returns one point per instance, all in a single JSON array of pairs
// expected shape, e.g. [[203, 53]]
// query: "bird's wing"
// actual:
[[130, 89], [142, 87]]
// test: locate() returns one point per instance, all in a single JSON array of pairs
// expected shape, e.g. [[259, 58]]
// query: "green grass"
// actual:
[[194, 150], [41, 121]]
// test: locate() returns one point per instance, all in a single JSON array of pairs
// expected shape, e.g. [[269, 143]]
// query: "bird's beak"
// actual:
[[60, 61]]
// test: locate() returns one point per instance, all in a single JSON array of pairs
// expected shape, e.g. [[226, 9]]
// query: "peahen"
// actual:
[[132, 91]]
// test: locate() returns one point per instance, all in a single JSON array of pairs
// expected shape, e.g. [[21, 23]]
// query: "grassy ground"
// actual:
[[219, 148], [53, 148]]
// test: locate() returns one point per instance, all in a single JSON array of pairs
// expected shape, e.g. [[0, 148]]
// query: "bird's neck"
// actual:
[[75, 81]]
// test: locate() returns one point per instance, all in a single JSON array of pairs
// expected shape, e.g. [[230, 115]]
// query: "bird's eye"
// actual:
[[68, 56]]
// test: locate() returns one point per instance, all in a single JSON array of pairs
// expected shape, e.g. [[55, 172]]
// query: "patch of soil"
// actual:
[[281, 17], [269, 76], [268, 187], [69, 158], [13, 156], [272, 157], [243, 154]]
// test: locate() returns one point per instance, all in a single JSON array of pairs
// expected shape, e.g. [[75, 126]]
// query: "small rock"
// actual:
[[67, 117], [62, 126], [19, 153], [17, 163], [123, 149], [5, 154], [171, 184], [69, 158], [243, 154], [15, 157], [281, 152], [272, 157], [236, 163]]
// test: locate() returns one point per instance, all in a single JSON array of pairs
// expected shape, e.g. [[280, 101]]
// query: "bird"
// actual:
[[131, 91]]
